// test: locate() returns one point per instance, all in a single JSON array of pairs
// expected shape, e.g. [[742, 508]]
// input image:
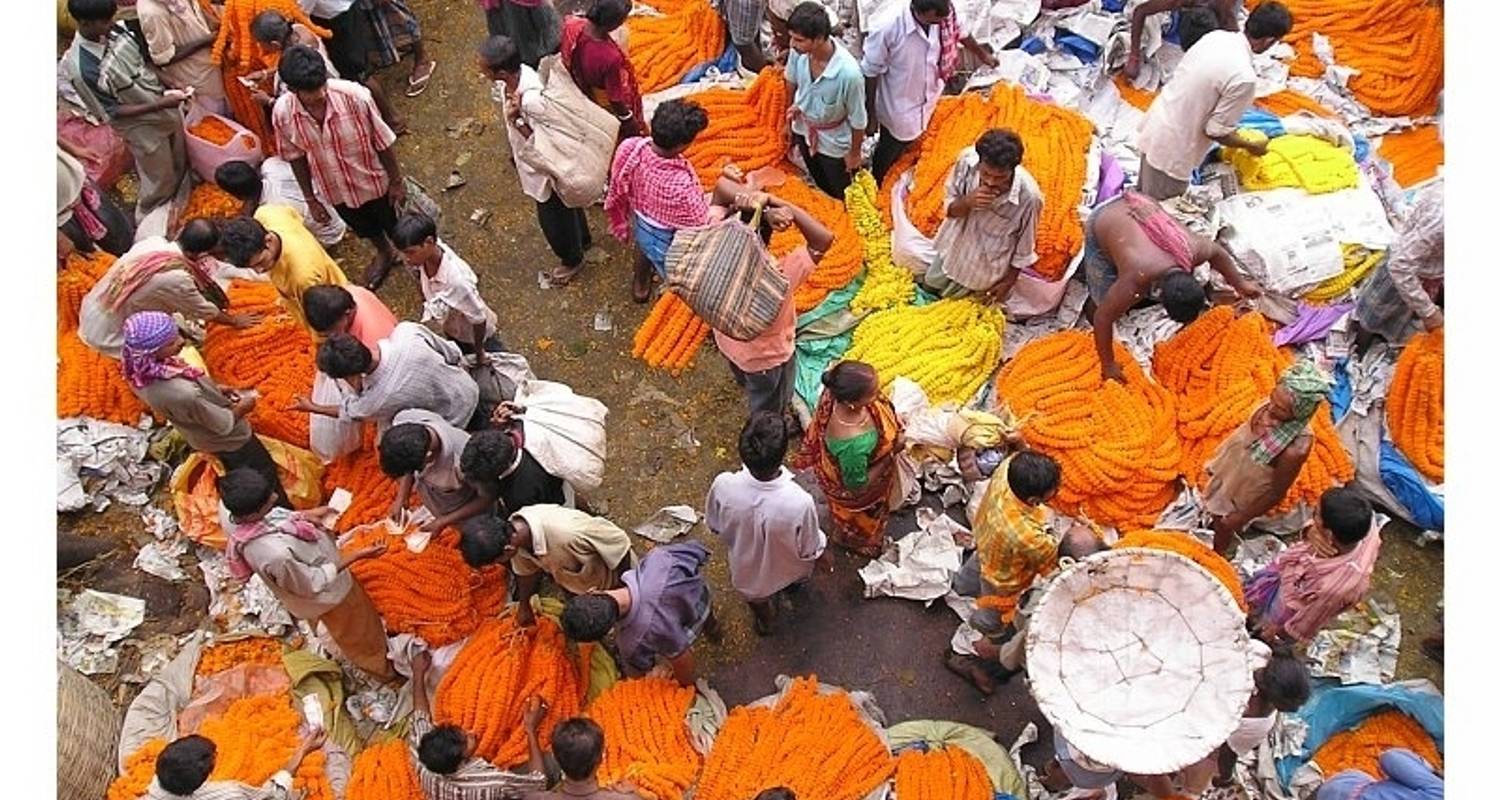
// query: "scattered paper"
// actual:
[[99, 462], [161, 559], [90, 625], [921, 565], [1360, 646], [667, 524]]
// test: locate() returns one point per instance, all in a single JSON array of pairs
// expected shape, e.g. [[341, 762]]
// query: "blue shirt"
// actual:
[[669, 602], [837, 98], [1408, 777]]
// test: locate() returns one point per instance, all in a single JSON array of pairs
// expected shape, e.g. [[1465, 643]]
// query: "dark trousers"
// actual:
[[350, 46], [566, 230], [827, 172], [769, 389], [119, 229], [374, 220], [254, 455], [887, 150]]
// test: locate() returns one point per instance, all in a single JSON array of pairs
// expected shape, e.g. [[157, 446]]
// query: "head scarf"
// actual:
[[145, 333], [1308, 386], [277, 520], [129, 274]]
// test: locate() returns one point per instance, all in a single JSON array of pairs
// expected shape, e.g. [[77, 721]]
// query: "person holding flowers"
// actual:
[[184, 767]]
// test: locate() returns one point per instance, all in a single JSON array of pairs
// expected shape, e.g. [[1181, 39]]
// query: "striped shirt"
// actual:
[[279, 787], [978, 250], [475, 779], [342, 151]]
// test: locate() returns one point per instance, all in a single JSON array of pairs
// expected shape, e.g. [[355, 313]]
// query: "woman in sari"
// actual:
[[599, 67], [852, 445]]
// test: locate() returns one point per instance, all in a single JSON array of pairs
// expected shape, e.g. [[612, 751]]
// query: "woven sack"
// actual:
[[725, 274]]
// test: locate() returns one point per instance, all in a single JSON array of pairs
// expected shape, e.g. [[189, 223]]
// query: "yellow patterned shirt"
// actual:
[[1014, 545]]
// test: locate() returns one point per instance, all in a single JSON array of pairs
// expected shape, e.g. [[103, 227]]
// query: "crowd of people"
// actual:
[[462, 452]]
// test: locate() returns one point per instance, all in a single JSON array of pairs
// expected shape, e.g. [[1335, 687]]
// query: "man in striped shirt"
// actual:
[[331, 132]]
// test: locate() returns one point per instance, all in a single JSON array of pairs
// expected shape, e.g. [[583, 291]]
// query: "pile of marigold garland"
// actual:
[[885, 283], [646, 740], [946, 773], [949, 348], [88, 384], [207, 200], [485, 689], [275, 357], [253, 650], [1415, 154], [432, 594], [663, 49], [360, 473], [384, 772], [1360, 747], [1115, 442], [746, 127], [1414, 404], [843, 261], [815, 744], [1185, 545], [1220, 369], [670, 336]]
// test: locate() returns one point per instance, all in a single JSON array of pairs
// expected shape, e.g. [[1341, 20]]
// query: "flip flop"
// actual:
[[562, 276], [415, 85]]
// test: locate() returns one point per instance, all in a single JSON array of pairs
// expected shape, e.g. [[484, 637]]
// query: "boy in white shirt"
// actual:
[[450, 289]]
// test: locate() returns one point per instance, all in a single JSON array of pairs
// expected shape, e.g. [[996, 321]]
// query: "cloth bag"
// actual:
[[330, 438], [564, 432], [725, 274], [572, 139]]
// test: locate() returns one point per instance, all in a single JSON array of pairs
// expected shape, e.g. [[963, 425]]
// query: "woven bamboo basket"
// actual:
[[88, 731]]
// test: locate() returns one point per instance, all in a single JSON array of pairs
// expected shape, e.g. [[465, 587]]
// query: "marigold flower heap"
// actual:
[[432, 594], [746, 127], [946, 773], [1287, 102], [140, 768], [1414, 404], [646, 738], [1115, 442], [212, 130], [670, 335], [209, 201], [1221, 368], [486, 688], [360, 473], [1360, 747], [1056, 141], [88, 384], [663, 49], [816, 745], [384, 772], [275, 356], [254, 650], [1415, 154], [949, 348], [885, 283], [1395, 46], [1185, 545]]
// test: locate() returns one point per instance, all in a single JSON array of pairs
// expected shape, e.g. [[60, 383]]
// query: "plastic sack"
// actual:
[[205, 156], [195, 496], [572, 139], [112, 157], [910, 248], [564, 432], [330, 438]]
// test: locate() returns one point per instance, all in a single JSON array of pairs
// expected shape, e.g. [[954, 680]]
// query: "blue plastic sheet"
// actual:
[[1343, 391], [1263, 121], [724, 63], [1406, 485], [1085, 50], [1333, 708], [1034, 45], [1361, 149]]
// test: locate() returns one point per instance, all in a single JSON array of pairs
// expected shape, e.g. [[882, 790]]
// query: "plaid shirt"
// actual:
[[342, 151], [475, 779], [663, 190], [1015, 547]]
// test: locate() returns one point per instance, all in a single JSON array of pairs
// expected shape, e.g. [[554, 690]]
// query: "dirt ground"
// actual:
[[662, 452]]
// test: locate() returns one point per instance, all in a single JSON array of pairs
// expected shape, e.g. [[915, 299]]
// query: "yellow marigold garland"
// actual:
[[1116, 444], [646, 738], [663, 49], [1186, 545], [1360, 747], [485, 689], [946, 773], [886, 284], [1358, 261], [384, 772], [816, 745], [949, 347], [1414, 404]]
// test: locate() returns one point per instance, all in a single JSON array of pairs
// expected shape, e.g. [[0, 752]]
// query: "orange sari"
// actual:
[[858, 515]]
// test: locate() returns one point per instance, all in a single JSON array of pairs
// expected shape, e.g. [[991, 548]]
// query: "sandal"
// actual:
[[561, 275], [415, 85], [966, 667]]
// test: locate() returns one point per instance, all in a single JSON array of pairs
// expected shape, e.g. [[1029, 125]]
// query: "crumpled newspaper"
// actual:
[[1140, 331], [667, 524], [1359, 646], [921, 565], [1257, 553], [89, 626], [248, 607], [161, 559], [100, 461], [376, 704]]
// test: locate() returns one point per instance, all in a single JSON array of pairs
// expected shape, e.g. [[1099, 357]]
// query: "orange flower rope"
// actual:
[[663, 49], [1056, 140], [670, 336], [1396, 46], [1414, 404], [276, 357], [209, 201], [843, 261], [646, 738], [360, 473], [140, 769], [432, 594], [1185, 545], [947, 773], [384, 772], [1287, 102], [310, 781], [1415, 154], [1140, 99], [1221, 368], [238, 54], [485, 689], [88, 384], [1360, 747], [254, 650], [212, 129], [1116, 443], [816, 745], [746, 127]]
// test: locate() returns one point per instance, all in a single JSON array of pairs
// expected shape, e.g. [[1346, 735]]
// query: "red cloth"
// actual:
[[601, 71]]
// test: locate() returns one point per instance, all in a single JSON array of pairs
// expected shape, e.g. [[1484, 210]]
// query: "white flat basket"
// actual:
[[1141, 658]]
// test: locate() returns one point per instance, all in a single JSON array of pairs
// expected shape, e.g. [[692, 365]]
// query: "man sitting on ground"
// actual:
[[421, 448], [578, 746], [183, 768]]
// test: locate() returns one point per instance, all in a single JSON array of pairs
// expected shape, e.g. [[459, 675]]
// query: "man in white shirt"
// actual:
[[1203, 102], [275, 184], [411, 368], [902, 85], [183, 768], [450, 289]]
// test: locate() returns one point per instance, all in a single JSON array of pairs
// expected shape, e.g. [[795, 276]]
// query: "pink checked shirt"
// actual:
[[342, 151], [663, 190]]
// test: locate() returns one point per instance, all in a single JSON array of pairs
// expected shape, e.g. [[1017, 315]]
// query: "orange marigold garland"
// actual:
[[1220, 369], [1414, 404], [238, 54], [814, 744], [1360, 747], [646, 738], [946, 773], [275, 356], [664, 48], [360, 473], [1287, 102], [209, 201], [1116, 442], [254, 650], [310, 781], [670, 336], [1140, 99], [384, 772], [1187, 546], [486, 688], [88, 384], [140, 769], [1415, 154], [746, 127], [432, 594], [844, 259]]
